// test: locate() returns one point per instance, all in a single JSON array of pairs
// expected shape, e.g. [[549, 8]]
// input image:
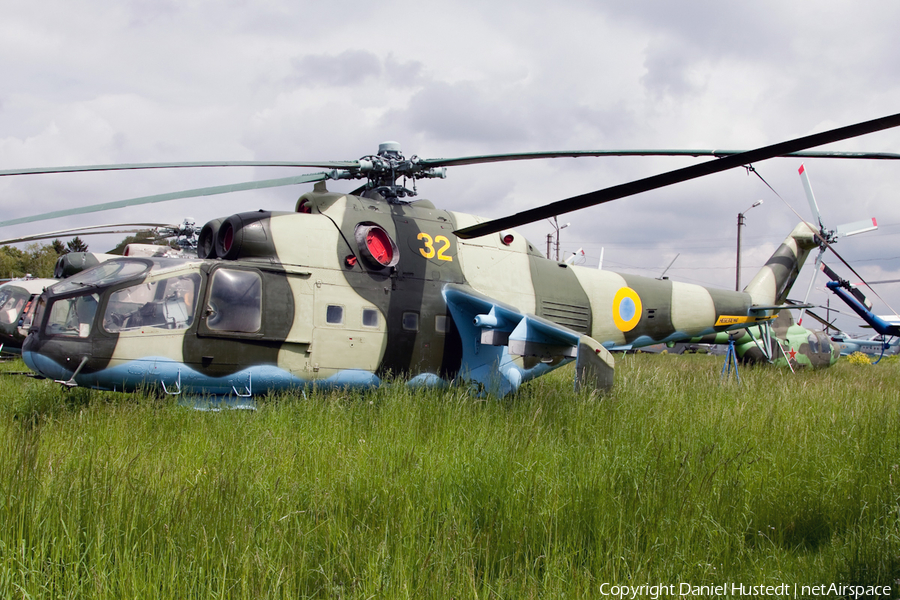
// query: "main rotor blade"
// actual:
[[855, 291], [34, 238], [677, 176], [181, 165], [207, 191], [91, 230], [822, 321], [437, 162], [696, 152]]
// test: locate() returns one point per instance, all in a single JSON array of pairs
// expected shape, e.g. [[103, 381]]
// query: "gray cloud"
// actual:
[[352, 68]]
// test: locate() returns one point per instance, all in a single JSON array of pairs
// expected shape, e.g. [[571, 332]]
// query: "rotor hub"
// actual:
[[382, 171]]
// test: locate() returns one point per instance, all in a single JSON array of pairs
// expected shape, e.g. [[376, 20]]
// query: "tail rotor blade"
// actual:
[[812, 282], [856, 227], [810, 197]]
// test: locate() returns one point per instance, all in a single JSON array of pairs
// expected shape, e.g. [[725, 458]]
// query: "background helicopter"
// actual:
[[887, 326], [781, 343], [16, 297], [451, 309], [784, 342]]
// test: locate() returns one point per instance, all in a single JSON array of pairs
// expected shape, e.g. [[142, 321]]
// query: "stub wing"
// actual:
[[504, 347]]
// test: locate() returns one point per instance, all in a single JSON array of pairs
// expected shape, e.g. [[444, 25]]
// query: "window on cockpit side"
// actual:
[[410, 321], [235, 301], [813, 343], [72, 317], [165, 304]]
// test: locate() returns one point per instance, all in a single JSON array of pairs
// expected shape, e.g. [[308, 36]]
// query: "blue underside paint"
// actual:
[[176, 377]]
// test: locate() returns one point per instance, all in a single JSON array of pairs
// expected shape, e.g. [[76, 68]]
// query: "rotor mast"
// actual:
[[382, 171]]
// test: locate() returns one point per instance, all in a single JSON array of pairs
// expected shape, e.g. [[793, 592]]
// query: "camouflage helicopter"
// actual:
[[780, 342], [16, 297], [350, 288]]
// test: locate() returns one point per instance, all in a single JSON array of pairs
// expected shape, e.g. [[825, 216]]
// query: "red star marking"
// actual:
[[793, 354]]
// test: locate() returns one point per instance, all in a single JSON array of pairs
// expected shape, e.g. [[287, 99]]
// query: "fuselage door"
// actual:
[[350, 333]]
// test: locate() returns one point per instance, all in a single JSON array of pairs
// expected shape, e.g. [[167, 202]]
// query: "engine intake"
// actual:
[[244, 235]]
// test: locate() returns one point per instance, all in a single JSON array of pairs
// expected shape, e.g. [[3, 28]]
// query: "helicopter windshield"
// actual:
[[12, 300], [106, 272], [73, 316]]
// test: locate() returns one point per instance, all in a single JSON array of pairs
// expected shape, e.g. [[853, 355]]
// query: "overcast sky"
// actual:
[[97, 82]]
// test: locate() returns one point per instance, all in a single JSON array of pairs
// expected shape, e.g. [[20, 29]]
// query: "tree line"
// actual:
[[37, 260]]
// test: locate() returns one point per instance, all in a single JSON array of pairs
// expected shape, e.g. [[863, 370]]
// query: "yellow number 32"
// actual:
[[429, 250]]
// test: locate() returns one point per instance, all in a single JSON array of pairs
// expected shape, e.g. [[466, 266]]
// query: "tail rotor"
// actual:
[[826, 237]]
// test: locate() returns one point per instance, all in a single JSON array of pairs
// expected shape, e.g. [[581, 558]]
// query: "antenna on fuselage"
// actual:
[[663, 274]]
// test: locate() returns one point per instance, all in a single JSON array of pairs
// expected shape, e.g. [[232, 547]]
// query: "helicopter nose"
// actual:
[[44, 365]]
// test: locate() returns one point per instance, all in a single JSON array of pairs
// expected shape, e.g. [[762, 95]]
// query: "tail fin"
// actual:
[[772, 283]]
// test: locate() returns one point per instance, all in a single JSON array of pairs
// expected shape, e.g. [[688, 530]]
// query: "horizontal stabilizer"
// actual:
[[780, 307]]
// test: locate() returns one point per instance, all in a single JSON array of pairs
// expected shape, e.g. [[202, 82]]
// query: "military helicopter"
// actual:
[[783, 342], [780, 342], [351, 288], [16, 297], [887, 326], [875, 346]]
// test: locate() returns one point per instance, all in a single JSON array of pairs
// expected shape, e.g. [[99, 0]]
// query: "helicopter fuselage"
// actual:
[[349, 290]]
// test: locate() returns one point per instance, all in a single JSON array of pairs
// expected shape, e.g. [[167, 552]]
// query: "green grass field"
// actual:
[[674, 477]]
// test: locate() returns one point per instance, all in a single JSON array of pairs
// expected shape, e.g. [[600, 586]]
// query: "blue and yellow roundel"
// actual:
[[626, 309]]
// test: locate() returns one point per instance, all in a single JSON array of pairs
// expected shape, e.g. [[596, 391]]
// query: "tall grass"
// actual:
[[675, 476]]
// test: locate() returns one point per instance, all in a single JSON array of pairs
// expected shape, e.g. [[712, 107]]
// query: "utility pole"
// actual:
[[557, 227], [737, 266]]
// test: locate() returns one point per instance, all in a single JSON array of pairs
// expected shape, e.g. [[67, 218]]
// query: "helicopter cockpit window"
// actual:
[[103, 273], [235, 301], [165, 303], [12, 301], [824, 342], [813, 343], [73, 316]]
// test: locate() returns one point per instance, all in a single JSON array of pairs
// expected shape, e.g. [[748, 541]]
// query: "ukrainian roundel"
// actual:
[[626, 309]]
